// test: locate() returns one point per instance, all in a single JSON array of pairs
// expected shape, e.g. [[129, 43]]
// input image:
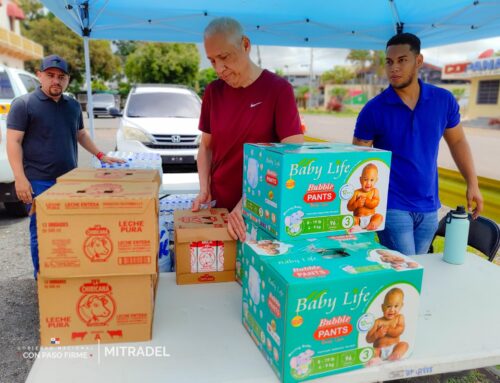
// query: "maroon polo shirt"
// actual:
[[265, 111]]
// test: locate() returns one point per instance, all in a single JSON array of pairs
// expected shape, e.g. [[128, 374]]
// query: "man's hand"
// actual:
[[236, 226], [110, 160], [23, 190], [203, 198], [473, 194]]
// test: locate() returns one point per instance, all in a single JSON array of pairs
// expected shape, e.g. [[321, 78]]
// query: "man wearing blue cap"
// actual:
[[43, 129]]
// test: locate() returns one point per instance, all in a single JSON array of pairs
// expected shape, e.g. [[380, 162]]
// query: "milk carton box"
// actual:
[[312, 190], [328, 306]]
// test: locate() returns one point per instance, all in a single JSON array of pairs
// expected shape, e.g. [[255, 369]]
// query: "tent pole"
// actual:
[[90, 104]]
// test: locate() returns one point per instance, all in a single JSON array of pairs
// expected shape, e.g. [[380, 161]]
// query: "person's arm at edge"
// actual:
[[462, 155], [204, 163], [15, 154], [360, 142]]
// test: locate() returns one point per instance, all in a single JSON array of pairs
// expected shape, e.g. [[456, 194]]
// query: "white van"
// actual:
[[13, 83]]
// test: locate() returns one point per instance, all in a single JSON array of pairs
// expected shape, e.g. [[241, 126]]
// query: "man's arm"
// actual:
[[204, 163], [461, 153], [15, 153], [85, 140], [295, 139], [359, 142]]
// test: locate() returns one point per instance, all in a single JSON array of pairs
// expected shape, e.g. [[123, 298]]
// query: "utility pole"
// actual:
[[259, 61], [311, 79]]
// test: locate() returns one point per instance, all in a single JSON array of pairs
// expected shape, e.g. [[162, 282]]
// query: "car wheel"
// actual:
[[16, 209], [95, 116]]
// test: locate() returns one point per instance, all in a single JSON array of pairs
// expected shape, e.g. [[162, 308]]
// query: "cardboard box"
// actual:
[[98, 229], [204, 250], [111, 175], [310, 307], [312, 190], [76, 311]]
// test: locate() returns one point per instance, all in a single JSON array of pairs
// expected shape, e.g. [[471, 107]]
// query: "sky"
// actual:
[[298, 59]]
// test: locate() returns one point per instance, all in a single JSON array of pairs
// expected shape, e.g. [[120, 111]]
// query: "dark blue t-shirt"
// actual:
[[50, 145], [413, 138]]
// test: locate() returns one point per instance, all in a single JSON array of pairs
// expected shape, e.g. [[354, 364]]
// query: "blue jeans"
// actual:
[[38, 186], [408, 232]]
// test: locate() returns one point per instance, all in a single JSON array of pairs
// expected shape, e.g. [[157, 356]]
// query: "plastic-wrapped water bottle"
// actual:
[[164, 258]]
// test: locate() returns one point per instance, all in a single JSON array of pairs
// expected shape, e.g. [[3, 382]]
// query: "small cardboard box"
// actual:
[[111, 175], [98, 229], [109, 309], [204, 250], [313, 307], [313, 190]]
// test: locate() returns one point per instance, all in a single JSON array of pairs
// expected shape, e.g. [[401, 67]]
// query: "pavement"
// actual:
[[483, 140], [18, 298]]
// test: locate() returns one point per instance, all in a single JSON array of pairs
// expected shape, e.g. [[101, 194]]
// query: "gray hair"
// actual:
[[227, 26]]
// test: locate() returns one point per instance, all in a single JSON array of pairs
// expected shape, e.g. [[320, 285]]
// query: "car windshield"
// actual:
[[103, 97], [162, 105]]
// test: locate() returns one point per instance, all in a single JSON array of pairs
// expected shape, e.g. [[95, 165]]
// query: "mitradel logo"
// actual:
[[92, 351]]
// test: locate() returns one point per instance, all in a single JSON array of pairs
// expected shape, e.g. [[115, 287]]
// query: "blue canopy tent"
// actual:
[[355, 24]]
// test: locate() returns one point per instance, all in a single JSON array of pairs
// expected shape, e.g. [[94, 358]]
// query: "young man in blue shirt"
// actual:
[[409, 118]]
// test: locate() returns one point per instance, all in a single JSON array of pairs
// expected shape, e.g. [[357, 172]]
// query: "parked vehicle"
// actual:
[[161, 119], [102, 103], [13, 83]]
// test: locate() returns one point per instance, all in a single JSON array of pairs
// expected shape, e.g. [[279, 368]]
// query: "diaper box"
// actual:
[[107, 309], [204, 250], [111, 175], [297, 191], [328, 306], [98, 228]]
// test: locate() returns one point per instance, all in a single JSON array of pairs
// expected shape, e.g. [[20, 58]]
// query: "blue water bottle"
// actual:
[[456, 236]]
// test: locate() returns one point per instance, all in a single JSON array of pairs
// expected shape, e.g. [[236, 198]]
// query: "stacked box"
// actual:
[[204, 250], [321, 307], [313, 190], [111, 175], [98, 250]]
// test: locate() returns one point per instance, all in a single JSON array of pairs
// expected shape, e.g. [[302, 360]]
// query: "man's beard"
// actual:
[[405, 84], [55, 93]]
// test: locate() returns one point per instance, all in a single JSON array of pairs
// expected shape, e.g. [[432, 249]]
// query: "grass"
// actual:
[[346, 112]]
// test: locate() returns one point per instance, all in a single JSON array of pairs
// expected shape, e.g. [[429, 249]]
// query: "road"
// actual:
[[18, 298], [484, 142]]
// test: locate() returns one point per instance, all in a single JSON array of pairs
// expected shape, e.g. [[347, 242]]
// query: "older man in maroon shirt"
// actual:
[[245, 105]]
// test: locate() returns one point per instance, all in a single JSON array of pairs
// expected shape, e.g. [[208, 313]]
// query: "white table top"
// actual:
[[199, 328]]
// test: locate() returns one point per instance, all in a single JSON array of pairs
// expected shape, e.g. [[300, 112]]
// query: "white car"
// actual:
[[13, 83], [161, 119]]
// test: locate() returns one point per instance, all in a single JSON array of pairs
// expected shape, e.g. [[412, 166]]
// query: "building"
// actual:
[[484, 76], [14, 48]]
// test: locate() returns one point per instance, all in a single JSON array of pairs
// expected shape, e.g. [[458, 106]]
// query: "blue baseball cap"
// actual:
[[54, 61]]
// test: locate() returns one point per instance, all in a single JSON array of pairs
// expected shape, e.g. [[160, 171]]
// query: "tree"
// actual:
[[33, 10], [359, 57], [163, 63], [205, 77], [124, 48], [338, 75], [366, 59], [58, 39]]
